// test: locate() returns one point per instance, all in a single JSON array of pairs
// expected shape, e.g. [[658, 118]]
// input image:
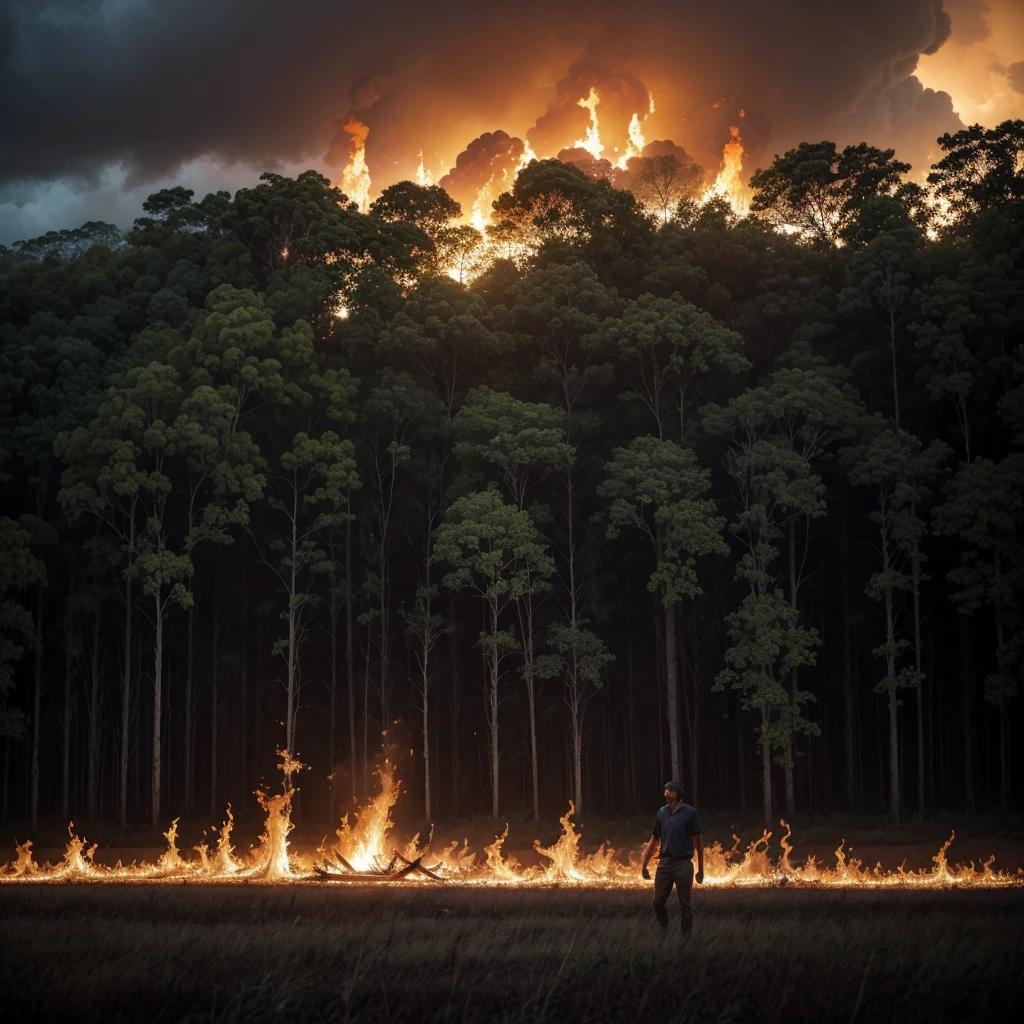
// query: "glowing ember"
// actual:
[[355, 178]]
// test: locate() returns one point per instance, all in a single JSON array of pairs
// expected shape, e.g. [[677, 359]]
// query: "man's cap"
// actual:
[[675, 786]]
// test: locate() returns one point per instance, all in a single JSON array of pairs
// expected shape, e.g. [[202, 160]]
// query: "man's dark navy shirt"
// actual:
[[676, 832]]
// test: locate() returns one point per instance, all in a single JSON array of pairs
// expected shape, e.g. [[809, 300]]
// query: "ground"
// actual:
[[330, 952]]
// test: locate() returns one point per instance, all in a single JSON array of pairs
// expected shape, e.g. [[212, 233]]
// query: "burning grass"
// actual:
[[365, 847], [313, 953]]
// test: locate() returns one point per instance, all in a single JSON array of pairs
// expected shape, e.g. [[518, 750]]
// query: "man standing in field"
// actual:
[[677, 830]]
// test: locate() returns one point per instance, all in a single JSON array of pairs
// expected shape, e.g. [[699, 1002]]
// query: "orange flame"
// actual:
[[355, 178], [591, 142], [729, 184]]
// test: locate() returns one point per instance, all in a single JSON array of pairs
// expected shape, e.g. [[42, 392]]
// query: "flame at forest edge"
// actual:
[[364, 843], [729, 185]]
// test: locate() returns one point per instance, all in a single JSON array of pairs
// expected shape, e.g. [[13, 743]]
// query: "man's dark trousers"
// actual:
[[678, 873]]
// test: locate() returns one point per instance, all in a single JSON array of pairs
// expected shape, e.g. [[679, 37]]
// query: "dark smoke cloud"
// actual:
[[1015, 73], [491, 158], [153, 84]]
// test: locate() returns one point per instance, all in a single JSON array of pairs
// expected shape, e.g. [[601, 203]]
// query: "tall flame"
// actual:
[[591, 142], [355, 179], [729, 184], [423, 176]]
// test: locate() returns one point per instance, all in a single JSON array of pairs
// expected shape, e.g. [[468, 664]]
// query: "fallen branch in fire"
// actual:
[[391, 873]]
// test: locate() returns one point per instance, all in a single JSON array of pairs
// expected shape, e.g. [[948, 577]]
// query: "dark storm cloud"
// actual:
[[87, 83]]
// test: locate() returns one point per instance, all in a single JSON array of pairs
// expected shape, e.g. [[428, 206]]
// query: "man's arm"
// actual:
[[652, 843], [698, 845]]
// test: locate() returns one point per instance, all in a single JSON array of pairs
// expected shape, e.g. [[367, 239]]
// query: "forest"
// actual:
[[629, 488]]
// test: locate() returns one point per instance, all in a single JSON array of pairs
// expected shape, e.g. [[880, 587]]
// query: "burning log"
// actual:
[[387, 875]]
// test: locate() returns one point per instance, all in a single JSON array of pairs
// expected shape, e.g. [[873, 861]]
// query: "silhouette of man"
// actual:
[[677, 831]]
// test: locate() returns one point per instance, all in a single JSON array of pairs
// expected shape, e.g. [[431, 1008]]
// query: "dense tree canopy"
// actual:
[[623, 485]]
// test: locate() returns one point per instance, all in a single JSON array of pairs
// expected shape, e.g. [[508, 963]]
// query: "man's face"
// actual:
[[671, 797]]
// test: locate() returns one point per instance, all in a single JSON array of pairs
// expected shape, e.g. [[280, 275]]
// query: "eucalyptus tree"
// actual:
[[118, 470], [521, 443], [672, 352], [495, 551], [778, 435], [658, 489], [558, 316], [897, 469]]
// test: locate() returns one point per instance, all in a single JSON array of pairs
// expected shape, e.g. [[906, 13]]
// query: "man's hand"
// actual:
[[699, 877], [645, 874]]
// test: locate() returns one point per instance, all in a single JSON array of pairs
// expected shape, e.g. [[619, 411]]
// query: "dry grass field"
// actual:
[[330, 952]]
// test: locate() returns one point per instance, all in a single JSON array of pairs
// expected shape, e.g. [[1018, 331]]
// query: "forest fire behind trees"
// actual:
[[661, 175]]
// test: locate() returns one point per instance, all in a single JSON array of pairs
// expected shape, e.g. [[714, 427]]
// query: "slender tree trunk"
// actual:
[[848, 745], [366, 718], [289, 736], [426, 730], [968, 711], [37, 706], [126, 693], [158, 696], [190, 770], [766, 771], [92, 769], [69, 676], [916, 576], [890, 661], [577, 754], [493, 708], [350, 676], [671, 688], [243, 675], [332, 702], [788, 767], [532, 707], [214, 696]]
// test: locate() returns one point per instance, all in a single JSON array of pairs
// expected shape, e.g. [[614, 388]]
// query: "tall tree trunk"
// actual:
[[966, 679], [190, 771], [243, 677], [532, 708], [848, 745], [916, 577], [890, 662], [366, 719], [92, 769], [37, 705], [350, 676], [289, 728], [788, 767], [671, 688], [425, 679], [214, 695], [69, 676], [126, 716], [158, 697], [332, 701], [766, 771], [493, 709]]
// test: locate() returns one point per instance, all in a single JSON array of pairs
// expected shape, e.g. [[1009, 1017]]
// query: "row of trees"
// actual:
[[692, 495]]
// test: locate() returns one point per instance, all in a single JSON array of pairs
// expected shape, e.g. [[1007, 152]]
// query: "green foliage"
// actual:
[[981, 170], [820, 191], [657, 488]]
